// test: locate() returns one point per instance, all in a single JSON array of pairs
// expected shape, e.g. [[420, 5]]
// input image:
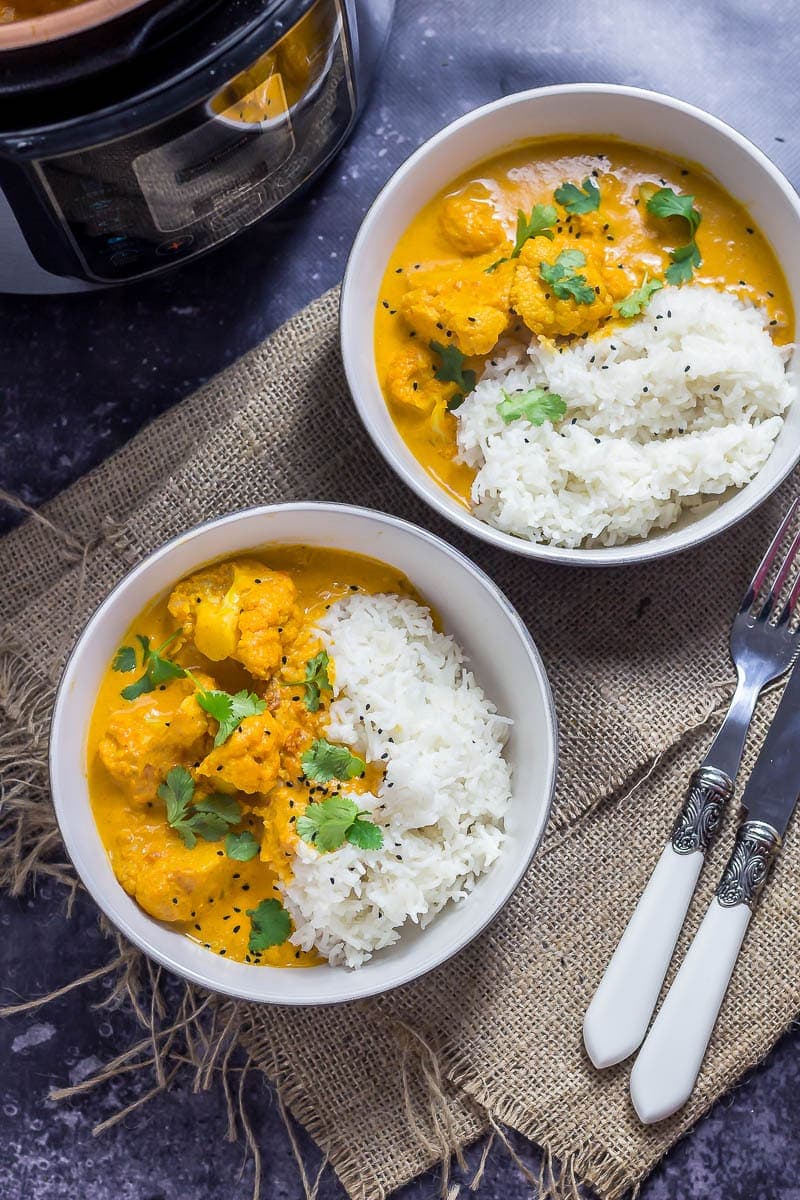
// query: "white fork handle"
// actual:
[[665, 1071], [617, 1018], [669, 1061]]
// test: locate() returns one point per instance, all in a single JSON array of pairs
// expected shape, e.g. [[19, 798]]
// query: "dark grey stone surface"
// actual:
[[80, 375]]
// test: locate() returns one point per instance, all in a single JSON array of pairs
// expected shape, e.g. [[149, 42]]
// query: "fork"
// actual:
[[762, 647]]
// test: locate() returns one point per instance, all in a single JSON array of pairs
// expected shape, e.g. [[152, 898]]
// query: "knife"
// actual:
[[670, 1058]]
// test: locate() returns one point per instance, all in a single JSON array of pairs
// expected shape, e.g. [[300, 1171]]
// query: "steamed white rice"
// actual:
[[662, 414], [404, 696]]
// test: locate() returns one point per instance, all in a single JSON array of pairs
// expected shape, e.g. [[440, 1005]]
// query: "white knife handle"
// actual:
[[620, 1011], [621, 1008], [669, 1061]]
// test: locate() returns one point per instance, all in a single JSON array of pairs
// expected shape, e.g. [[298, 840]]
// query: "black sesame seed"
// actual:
[[236, 928]]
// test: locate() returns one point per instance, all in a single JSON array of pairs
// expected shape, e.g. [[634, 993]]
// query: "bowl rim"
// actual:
[[346, 981], [423, 485]]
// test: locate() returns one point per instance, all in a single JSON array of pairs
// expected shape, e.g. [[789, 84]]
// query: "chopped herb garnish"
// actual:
[[536, 405], [323, 762], [316, 680], [270, 925], [561, 276], [451, 370], [207, 818], [577, 200], [335, 821], [241, 846], [685, 259], [157, 668], [228, 709], [124, 659], [539, 224], [664, 202], [638, 299]]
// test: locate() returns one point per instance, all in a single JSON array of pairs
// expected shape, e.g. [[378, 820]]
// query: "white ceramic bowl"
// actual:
[[648, 118], [471, 607]]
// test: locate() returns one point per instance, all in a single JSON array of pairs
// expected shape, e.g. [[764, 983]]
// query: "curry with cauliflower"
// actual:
[[207, 746], [560, 239]]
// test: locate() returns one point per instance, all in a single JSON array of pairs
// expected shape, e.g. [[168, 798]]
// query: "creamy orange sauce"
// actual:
[[201, 891], [736, 257]]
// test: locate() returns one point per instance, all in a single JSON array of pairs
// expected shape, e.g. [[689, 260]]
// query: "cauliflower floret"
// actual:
[[239, 610], [461, 303], [152, 734], [249, 761], [160, 873], [542, 310], [410, 381], [467, 219]]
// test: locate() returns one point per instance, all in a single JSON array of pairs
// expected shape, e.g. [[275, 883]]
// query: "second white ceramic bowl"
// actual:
[[472, 609], [647, 118]]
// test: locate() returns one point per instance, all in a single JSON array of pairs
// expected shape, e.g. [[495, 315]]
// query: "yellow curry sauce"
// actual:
[[254, 616], [436, 285]]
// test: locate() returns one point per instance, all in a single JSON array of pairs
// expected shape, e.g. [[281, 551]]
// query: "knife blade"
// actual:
[[773, 789]]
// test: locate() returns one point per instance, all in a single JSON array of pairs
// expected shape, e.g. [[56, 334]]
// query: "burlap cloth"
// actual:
[[638, 663]]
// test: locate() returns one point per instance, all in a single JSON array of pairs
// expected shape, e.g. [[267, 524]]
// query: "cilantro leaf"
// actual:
[[451, 370], [536, 405], [208, 819], [270, 925], [323, 762], [365, 834], [563, 267], [226, 808], [664, 202], [241, 846], [134, 690], [539, 224], [157, 668], [202, 825], [124, 659], [316, 681], [325, 825], [329, 824], [684, 261], [638, 299], [229, 709], [177, 791], [561, 277], [577, 200]]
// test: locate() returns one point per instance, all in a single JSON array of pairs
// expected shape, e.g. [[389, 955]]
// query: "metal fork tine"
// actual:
[[762, 570], [783, 574], [789, 607]]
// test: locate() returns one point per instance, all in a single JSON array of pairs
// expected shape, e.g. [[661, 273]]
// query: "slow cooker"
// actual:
[[138, 134]]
